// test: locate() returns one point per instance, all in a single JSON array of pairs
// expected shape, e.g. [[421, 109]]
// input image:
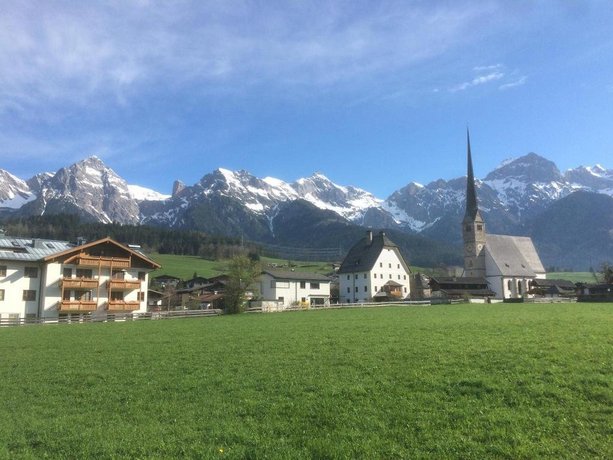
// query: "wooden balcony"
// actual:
[[79, 283], [124, 285], [95, 261], [66, 306], [123, 305]]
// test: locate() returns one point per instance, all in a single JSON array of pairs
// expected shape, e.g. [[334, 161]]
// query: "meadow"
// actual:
[[184, 267], [462, 381]]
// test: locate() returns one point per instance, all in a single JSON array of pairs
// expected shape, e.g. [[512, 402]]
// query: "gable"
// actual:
[[513, 256]]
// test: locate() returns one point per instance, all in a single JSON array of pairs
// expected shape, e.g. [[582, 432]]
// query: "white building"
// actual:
[[374, 270], [290, 288], [46, 279]]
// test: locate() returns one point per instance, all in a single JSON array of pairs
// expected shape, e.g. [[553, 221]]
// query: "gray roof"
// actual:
[[364, 254], [292, 275], [30, 250], [514, 255]]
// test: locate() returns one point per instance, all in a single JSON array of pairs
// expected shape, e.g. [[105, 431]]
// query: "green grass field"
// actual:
[[184, 267], [575, 277], [467, 381]]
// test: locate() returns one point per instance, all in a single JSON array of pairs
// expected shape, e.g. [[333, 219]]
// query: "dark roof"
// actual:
[[166, 277], [456, 281], [550, 283], [363, 255], [300, 276]]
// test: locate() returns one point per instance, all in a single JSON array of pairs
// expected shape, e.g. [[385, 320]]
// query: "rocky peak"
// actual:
[[530, 168], [14, 192]]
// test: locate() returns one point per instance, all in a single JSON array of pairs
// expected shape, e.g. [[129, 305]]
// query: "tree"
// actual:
[[242, 274], [606, 271]]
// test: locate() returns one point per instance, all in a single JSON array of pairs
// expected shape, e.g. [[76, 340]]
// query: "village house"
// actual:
[[47, 279], [292, 288], [374, 270], [508, 263]]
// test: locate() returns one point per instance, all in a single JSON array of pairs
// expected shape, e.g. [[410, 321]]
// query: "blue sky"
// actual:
[[372, 94]]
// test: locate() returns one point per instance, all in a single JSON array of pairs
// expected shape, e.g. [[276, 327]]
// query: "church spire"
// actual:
[[471, 196]]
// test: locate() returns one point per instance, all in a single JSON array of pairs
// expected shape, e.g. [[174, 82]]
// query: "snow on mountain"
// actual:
[[146, 194], [88, 188], [14, 192]]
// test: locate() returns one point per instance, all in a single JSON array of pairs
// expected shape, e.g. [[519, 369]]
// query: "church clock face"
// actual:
[[479, 247]]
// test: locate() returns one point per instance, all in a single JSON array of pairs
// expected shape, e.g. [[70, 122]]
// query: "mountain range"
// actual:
[[569, 214]]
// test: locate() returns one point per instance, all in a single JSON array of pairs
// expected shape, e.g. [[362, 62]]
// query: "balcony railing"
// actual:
[[123, 305], [95, 261], [77, 305], [79, 283], [124, 285]]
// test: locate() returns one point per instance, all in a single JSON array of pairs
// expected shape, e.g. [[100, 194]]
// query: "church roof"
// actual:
[[364, 254], [514, 255]]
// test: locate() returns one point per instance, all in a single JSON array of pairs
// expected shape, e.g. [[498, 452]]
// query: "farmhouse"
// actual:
[[295, 288], [45, 278], [508, 263], [374, 269]]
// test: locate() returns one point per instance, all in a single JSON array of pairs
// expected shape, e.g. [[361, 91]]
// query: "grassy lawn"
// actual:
[[575, 277], [467, 381], [184, 267]]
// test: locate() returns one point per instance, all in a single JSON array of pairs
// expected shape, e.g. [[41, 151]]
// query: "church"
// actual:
[[508, 263]]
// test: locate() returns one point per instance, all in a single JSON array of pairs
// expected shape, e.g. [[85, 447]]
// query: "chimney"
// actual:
[[369, 236]]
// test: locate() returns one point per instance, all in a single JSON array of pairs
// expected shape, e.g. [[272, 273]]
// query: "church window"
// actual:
[[519, 287], [479, 227], [509, 285]]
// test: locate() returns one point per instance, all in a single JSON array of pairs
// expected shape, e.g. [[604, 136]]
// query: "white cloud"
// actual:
[[518, 82], [478, 80]]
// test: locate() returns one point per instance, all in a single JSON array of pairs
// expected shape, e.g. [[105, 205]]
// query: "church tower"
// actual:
[[473, 227]]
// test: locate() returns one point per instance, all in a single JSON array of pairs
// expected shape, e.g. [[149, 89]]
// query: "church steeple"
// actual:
[[473, 227], [472, 209]]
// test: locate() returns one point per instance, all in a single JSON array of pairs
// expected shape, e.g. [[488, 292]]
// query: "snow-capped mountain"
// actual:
[[237, 203], [87, 188], [14, 192]]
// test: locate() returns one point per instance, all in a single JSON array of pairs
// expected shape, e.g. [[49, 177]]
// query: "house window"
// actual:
[[1, 295], [303, 299], [29, 295], [381, 264], [365, 288], [364, 275], [314, 285], [356, 289], [405, 276], [405, 290], [398, 266], [509, 285], [348, 277], [479, 227], [398, 276], [390, 276], [302, 284], [116, 295], [356, 276], [87, 273], [281, 299], [142, 276], [374, 275], [67, 272], [118, 274], [348, 290], [141, 296], [2, 270], [30, 272], [390, 265], [82, 295], [519, 287], [66, 295]]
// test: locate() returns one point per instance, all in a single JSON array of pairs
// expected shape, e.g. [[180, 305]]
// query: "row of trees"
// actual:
[[70, 227]]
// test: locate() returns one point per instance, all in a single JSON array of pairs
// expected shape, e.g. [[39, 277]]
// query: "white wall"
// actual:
[[290, 290]]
